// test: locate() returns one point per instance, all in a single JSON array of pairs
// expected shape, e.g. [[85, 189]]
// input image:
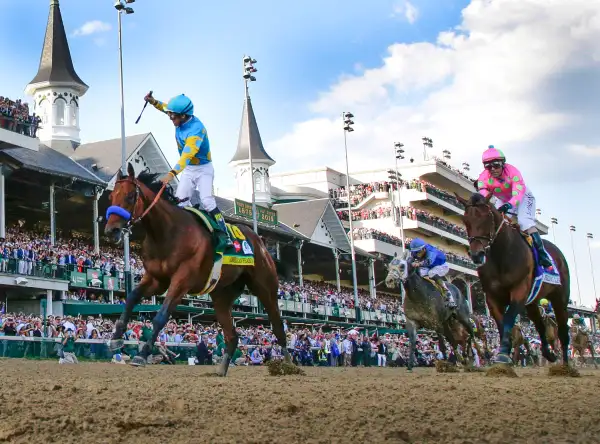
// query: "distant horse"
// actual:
[[518, 339], [178, 255], [425, 307], [505, 265], [581, 342]]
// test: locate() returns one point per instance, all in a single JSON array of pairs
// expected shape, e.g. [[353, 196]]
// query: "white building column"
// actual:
[[52, 217], [277, 251], [48, 303], [299, 248], [2, 204], [372, 288], [96, 225], [336, 256], [111, 296], [469, 296]]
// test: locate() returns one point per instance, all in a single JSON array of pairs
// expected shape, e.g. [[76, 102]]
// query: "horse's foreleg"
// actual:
[[222, 303], [508, 322], [147, 287], [412, 336], [562, 319], [536, 317], [175, 293]]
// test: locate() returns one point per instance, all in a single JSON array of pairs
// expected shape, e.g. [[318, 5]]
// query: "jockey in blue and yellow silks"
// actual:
[[195, 161], [432, 262], [547, 308]]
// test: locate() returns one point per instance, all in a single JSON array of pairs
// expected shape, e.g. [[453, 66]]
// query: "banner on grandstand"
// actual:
[[110, 283], [78, 279], [264, 215]]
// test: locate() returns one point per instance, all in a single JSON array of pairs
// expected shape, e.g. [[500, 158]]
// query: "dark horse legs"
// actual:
[[562, 317], [223, 301], [508, 322], [174, 294], [147, 287], [534, 314]]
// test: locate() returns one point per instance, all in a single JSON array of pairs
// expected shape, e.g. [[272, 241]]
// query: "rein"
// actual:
[[130, 217]]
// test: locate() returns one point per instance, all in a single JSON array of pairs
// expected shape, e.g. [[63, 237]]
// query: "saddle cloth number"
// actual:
[[236, 232]]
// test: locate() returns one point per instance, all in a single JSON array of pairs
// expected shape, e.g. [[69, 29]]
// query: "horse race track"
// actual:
[[103, 403]]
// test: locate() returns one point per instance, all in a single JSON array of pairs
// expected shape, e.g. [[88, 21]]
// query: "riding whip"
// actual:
[[145, 104]]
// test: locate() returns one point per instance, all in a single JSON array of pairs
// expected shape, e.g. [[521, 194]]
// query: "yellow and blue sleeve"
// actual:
[[189, 151], [161, 106]]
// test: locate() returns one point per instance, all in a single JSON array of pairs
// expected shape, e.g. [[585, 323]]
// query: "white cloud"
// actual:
[[515, 73], [92, 27], [595, 244], [407, 10], [590, 151]]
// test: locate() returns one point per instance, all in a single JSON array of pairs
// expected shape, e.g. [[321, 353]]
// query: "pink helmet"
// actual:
[[492, 154]]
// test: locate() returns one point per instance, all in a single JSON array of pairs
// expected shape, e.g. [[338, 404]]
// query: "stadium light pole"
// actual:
[[572, 230], [399, 154], [590, 236], [447, 155], [553, 222], [248, 75], [427, 143], [121, 7], [348, 122], [466, 167]]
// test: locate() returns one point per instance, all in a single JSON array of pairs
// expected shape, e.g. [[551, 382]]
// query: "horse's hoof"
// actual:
[[502, 359], [138, 361], [115, 344], [550, 357]]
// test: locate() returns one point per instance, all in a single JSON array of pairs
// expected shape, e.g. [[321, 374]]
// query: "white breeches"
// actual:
[[200, 178], [438, 270], [525, 211]]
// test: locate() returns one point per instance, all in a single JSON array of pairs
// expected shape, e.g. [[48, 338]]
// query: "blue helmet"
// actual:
[[180, 105], [417, 245]]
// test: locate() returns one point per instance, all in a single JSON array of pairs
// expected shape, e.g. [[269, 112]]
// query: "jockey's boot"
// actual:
[[216, 213], [539, 246], [450, 302]]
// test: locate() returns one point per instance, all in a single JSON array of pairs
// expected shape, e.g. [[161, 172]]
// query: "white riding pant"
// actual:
[[438, 270], [525, 210], [199, 178]]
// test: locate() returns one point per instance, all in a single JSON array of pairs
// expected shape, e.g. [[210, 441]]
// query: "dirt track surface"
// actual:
[[104, 403]]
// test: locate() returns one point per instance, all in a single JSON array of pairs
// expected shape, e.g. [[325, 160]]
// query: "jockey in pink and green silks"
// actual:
[[506, 183]]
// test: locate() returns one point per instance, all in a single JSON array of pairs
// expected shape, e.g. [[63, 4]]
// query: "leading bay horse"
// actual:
[[177, 254], [505, 266]]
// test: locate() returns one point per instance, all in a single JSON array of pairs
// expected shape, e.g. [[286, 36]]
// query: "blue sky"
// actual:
[[466, 73]]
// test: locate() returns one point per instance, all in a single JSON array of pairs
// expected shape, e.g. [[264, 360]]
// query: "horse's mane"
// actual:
[[152, 181]]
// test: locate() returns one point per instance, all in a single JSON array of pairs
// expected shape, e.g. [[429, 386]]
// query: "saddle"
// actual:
[[437, 286], [240, 253]]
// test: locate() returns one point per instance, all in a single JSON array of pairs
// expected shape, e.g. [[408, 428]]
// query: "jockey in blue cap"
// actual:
[[195, 162], [432, 262]]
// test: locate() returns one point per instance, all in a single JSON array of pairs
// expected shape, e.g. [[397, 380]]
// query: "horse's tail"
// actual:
[[283, 271]]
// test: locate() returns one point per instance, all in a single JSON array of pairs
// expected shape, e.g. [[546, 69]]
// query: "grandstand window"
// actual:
[[257, 183], [59, 117], [73, 110]]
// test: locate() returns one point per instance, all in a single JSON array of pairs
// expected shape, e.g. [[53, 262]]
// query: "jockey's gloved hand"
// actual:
[[505, 208]]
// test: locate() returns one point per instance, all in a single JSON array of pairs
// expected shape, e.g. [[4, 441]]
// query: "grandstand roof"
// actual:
[[227, 207], [249, 139], [56, 65], [49, 161], [106, 154], [305, 216]]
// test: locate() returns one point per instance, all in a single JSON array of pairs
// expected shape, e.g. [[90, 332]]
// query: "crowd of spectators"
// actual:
[[370, 233], [385, 210], [310, 345], [15, 117], [28, 252]]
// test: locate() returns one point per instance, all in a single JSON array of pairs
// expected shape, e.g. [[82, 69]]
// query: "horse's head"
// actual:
[[124, 204], [480, 221], [398, 270]]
